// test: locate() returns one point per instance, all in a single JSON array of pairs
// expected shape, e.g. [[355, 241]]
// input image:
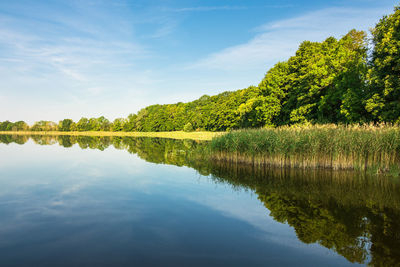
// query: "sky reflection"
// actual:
[[71, 206]]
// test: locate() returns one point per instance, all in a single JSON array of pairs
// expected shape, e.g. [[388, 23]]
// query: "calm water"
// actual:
[[82, 201]]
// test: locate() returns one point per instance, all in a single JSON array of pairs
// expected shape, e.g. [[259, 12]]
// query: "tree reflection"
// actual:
[[355, 216], [18, 139]]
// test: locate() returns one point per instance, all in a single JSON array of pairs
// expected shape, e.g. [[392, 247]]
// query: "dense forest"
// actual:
[[355, 79]]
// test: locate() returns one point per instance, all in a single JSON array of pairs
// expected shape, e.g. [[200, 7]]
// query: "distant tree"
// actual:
[[130, 123], [65, 125], [6, 126], [118, 125], [20, 126], [83, 125], [94, 124], [103, 124], [44, 126]]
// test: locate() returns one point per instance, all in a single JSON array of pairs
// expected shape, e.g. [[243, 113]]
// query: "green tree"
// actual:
[[130, 123], [44, 126], [83, 125], [324, 82], [65, 125], [384, 75], [6, 126], [20, 126], [118, 125], [103, 124]]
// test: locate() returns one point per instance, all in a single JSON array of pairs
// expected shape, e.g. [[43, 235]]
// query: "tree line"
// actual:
[[347, 80]]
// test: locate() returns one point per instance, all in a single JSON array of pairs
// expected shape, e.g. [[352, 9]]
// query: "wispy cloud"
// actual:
[[278, 40], [167, 26], [205, 8], [222, 8], [57, 59], [70, 55]]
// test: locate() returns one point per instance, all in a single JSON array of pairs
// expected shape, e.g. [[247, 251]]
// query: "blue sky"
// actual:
[[68, 59]]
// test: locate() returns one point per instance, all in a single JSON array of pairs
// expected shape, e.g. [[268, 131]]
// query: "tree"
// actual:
[[384, 74], [118, 125], [44, 126], [65, 125], [265, 106], [322, 83], [6, 126], [20, 126], [83, 125], [130, 123]]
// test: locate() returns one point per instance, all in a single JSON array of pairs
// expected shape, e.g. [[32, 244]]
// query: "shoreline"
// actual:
[[375, 149], [201, 136]]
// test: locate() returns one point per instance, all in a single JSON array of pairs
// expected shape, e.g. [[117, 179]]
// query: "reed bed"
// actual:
[[363, 147]]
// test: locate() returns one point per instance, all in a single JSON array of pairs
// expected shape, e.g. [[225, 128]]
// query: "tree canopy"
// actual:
[[384, 73]]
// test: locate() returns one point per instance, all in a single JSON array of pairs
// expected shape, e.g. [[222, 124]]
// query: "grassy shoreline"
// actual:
[[204, 136], [370, 148], [375, 149]]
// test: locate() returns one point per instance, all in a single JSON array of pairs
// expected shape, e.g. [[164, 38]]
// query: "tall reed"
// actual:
[[363, 147]]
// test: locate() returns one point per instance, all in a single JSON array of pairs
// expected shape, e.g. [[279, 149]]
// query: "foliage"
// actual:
[[188, 127], [320, 84], [44, 126], [211, 113], [66, 125], [13, 126], [384, 74], [83, 125], [93, 124], [118, 125]]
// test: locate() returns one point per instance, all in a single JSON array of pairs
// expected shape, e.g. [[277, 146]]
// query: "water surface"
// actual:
[[109, 201]]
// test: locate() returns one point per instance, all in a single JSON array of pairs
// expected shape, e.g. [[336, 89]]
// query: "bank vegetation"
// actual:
[[363, 147]]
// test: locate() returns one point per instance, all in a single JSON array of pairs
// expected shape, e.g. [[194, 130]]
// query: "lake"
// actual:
[[121, 201]]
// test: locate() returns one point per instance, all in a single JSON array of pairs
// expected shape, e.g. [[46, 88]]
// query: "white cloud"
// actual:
[[279, 40]]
